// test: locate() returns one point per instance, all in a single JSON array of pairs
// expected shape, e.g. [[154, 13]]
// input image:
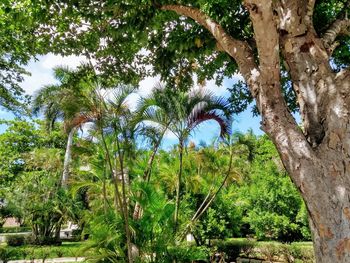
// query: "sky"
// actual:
[[42, 74]]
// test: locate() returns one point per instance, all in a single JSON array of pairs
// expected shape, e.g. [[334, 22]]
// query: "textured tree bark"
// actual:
[[67, 158]]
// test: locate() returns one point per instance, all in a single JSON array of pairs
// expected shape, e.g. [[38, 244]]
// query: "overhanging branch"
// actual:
[[239, 50], [339, 27]]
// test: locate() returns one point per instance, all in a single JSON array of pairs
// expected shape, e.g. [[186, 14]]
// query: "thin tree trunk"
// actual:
[[228, 172], [146, 177], [67, 158], [104, 196], [117, 199], [125, 203], [210, 197], [178, 186]]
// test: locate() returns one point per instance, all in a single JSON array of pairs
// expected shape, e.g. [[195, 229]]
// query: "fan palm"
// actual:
[[181, 113]]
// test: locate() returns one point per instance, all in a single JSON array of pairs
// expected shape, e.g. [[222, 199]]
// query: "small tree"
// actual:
[[181, 113]]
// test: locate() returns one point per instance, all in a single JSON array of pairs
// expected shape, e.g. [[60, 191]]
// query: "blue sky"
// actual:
[[41, 74]]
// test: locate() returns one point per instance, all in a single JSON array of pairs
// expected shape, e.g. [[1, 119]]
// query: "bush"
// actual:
[[40, 240], [302, 253], [290, 253], [5, 254], [235, 248], [271, 251], [16, 240], [188, 253]]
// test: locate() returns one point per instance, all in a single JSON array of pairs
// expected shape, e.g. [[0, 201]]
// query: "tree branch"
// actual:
[[239, 50], [310, 12], [267, 42], [266, 35], [338, 27]]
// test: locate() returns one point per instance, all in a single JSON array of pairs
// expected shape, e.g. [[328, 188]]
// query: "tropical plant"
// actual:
[[115, 131], [181, 113], [65, 101], [291, 55]]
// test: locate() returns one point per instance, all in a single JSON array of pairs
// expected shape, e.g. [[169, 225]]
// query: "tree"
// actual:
[[30, 178], [65, 101], [17, 46], [290, 53], [181, 113], [112, 119]]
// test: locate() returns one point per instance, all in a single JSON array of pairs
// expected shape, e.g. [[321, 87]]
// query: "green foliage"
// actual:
[[67, 249], [16, 240], [235, 247], [154, 230], [213, 226], [107, 239], [176, 47], [187, 254], [5, 254], [274, 208], [17, 45], [257, 198], [31, 184]]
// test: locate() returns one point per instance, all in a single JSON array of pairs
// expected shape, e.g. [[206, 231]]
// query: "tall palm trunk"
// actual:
[[178, 186], [125, 203], [67, 158]]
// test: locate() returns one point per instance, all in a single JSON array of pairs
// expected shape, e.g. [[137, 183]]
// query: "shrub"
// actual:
[[302, 253], [235, 248], [271, 252], [42, 240], [188, 253], [4, 254], [290, 253], [16, 240]]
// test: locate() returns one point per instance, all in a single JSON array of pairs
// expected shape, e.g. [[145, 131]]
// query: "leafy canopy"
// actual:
[[125, 37]]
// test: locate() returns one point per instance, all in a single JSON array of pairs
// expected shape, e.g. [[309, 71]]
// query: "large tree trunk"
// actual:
[[317, 158], [319, 167], [67, 158]]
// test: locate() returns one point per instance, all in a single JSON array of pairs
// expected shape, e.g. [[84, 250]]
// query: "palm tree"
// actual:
[[64, 101], [114, 127], [181, 113]]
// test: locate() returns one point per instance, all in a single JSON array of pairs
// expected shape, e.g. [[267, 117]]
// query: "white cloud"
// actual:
[[37, 80], [50, 61], [170, 135], [41, 70], [132, 100], [146, 85]]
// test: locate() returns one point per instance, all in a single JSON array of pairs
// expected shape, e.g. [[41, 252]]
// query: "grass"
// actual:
[[67, 249]]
